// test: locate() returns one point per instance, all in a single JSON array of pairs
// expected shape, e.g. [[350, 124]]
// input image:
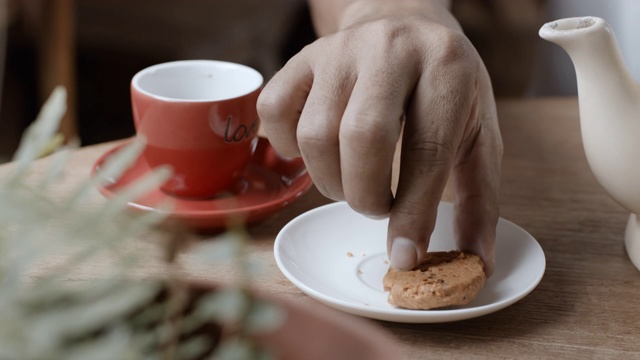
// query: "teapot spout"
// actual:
[[593, 49]]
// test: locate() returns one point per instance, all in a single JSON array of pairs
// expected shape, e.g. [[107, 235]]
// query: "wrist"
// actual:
[[361, 11]]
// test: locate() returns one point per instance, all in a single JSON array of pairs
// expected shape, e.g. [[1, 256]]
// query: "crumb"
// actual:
[[386, 262], [364, 254], [359, 272], [350, 254]]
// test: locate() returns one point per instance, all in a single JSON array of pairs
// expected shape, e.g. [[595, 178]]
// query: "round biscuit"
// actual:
[[444, 279]]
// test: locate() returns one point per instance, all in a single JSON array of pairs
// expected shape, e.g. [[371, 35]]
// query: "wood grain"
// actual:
[[586, 306]]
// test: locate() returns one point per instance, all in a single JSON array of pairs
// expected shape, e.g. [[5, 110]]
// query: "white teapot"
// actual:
[[609, 101]]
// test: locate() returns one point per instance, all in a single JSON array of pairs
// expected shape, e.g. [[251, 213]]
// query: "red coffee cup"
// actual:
[[199, 117]]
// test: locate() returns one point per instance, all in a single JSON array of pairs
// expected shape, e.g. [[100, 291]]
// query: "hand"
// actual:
[[343, 102]]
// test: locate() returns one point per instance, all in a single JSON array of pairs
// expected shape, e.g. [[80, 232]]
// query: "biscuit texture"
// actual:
[[444, 279]]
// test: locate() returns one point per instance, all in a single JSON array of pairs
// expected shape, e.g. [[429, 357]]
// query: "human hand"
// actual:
[[343, 102]]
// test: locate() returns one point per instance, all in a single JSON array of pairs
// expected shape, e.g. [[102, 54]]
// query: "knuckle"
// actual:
[[426, 158], [455, 49], [270, 105], [368, 133], [312, 139], [428, 154]]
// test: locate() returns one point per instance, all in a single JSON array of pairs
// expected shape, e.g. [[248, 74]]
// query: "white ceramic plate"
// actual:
[[339, 257]]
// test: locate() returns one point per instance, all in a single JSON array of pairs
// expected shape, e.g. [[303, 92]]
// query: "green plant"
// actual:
[[115, 316]]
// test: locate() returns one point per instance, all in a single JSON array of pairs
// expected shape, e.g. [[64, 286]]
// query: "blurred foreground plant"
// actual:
[[114, 317]]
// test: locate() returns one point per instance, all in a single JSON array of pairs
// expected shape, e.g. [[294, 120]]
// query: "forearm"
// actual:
[[331, 15]]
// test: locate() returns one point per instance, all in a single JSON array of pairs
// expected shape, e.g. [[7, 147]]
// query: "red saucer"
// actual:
[[269, 183]]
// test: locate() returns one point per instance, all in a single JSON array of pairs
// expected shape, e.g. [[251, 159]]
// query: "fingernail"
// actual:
[[403, 254]]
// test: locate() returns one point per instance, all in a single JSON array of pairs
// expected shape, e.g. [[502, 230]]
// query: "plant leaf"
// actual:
[[224, 306], [40, 133], [264, 317]]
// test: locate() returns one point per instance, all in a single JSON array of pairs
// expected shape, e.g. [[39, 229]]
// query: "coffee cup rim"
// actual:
[[257, 81]]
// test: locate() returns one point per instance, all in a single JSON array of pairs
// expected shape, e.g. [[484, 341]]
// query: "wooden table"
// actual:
[[587, 305]]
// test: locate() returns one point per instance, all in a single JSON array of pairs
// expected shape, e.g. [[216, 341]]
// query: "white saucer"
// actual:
[[339, 257]]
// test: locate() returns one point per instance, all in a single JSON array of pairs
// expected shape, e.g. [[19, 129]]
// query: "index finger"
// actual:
[[436, 118]]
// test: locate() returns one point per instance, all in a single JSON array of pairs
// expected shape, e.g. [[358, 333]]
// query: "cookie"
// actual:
[[444, 279]]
